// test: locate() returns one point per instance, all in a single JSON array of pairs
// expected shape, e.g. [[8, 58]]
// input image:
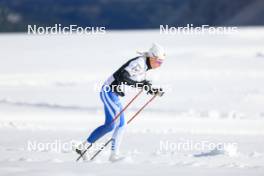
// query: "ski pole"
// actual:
[[130, 120], [126, 106], [81, 155]]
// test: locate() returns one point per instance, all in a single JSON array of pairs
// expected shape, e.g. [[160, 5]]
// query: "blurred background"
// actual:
[[15, 15]]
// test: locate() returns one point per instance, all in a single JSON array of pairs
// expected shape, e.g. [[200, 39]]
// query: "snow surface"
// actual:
[[214, 93]]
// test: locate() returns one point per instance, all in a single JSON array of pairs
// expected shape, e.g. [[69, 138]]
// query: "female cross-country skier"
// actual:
[[132, 73]]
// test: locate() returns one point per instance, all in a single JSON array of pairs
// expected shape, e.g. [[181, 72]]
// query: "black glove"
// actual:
[[121, 94], [118, 91], [154, 91]]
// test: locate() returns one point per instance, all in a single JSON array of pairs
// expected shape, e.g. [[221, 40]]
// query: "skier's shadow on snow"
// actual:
[[210, 153]]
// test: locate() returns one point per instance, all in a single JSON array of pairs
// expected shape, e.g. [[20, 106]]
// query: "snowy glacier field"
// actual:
[[210, 120]]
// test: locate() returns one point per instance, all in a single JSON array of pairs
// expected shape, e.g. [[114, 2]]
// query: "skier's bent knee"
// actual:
[[110, 127]]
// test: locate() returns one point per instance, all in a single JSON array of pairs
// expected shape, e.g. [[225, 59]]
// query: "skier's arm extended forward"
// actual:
[[145, 84]]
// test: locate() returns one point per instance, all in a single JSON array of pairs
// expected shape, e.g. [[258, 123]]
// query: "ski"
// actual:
[[82, 154]]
